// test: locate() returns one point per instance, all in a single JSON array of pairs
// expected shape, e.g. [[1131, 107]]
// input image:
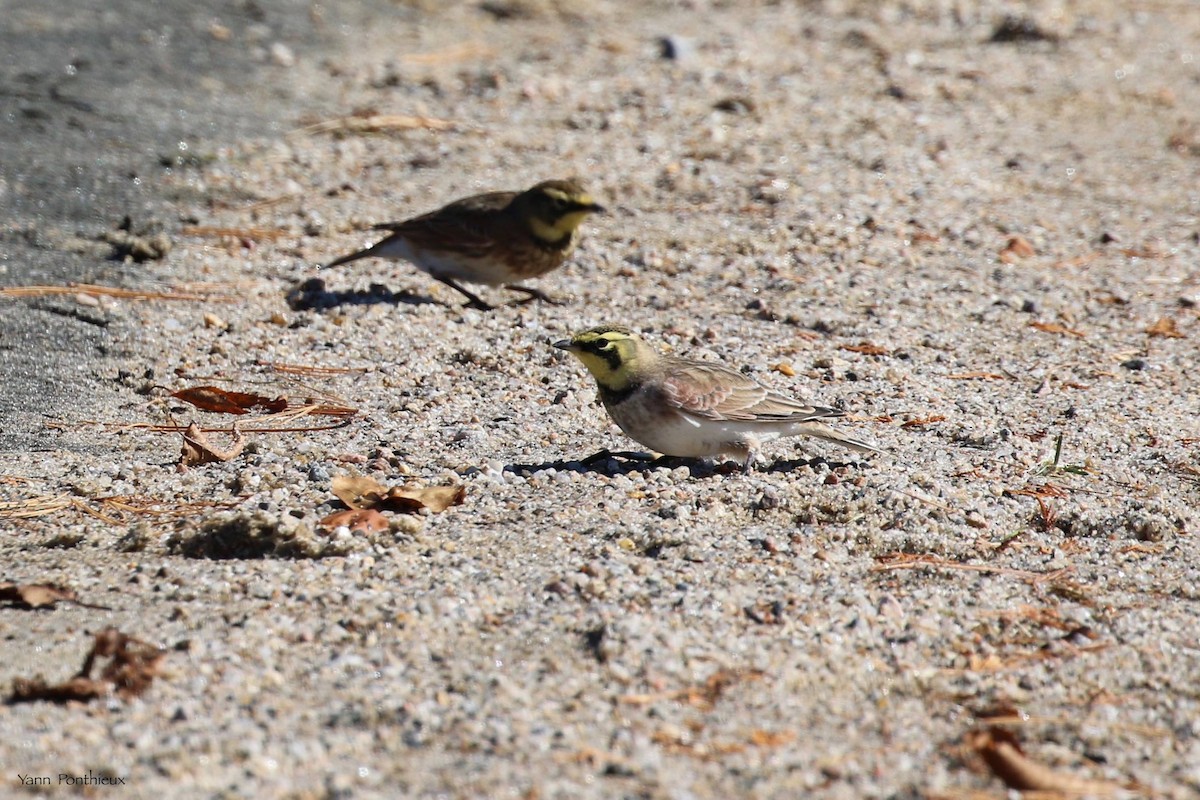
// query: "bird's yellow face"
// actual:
[[555, 209], [611, 353]]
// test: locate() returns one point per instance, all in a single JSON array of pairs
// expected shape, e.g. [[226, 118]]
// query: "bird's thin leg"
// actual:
[[534, 294], [475, 301], [749, 462]]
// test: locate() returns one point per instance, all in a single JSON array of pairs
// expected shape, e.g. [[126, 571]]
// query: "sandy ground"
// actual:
[[977, 248]]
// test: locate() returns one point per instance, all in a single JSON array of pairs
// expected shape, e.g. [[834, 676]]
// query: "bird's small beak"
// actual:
[[564, 344], [586, 203]]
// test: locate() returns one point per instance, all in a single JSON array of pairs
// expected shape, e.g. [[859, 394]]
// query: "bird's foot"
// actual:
[[478, 304], [534, 294]]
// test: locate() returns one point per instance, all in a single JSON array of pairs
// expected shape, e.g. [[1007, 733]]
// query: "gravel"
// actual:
[[826, 195]]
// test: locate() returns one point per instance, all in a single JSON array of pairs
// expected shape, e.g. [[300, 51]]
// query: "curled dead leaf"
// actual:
[[198, 450]]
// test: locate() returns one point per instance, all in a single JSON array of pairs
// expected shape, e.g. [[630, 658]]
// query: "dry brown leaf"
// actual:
[[358, 491], [35, 595], [1166, 328], [222, 401], [1054, 327], [413, 498], [364, 520], [1000, 750], [132, 667], [361, 492], [198, 450], [1017, 247]]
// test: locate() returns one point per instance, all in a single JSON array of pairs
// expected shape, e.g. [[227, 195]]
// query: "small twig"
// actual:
[[304, 369], [377, 123], [895, 561], [109, 291], [237, 233], [927, 501]]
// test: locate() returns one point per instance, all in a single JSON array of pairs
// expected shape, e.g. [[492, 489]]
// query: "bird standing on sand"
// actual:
[[693, 409], [498, 238]]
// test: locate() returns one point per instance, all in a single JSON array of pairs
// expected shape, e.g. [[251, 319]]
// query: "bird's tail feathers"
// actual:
[[347, 259], [821, 431]]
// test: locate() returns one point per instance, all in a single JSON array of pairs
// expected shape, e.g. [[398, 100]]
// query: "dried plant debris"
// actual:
[[95, 290], [379, 123], [138, 246], [1055, 327], [1000, 750], [703, 697], [364, 520], [33, 506], [132, 667], [223, 401], [40, 595], [1016, 248], [1166, 328], [197, 449], [254, 535], [361, 492]]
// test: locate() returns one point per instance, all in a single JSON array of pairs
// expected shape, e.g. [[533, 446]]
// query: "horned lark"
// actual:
[[680, 407], [495, 238]]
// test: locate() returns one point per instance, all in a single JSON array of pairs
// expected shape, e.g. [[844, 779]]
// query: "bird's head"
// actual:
[[615, 355], [555, 209]]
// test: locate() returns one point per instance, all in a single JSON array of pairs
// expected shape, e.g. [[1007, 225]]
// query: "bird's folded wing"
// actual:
[[468, 225], [716, 392]]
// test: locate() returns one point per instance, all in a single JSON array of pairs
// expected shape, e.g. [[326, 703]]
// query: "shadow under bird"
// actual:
[[497, 238], [693, 409]]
